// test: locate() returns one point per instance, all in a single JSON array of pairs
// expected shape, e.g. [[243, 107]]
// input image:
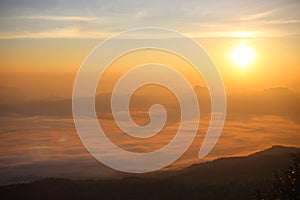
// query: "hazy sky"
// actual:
[[50, 39], [43, 43], [98, 19]]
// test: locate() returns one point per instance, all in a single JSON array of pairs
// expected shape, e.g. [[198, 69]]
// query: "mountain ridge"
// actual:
[[223, 178], [258, 165]]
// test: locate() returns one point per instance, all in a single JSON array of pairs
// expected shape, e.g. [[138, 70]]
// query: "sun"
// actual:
[[242, 55]]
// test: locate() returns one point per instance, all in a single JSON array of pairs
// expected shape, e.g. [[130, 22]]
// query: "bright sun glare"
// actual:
[[242, 55]]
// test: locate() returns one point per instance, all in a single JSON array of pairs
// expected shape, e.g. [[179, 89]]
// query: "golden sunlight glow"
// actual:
[[243, 34], [242, 55]]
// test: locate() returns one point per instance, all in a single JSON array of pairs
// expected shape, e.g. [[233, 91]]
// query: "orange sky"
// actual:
[[32, 65], [42, 46]]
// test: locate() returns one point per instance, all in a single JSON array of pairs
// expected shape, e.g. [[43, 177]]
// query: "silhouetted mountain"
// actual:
[[224, 178], [260, 165]]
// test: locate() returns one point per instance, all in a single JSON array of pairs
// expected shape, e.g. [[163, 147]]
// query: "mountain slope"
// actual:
[[257, 166], [224, 178]]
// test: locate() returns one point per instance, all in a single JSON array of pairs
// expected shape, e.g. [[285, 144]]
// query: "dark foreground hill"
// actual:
[[225, 178], [257, 166]]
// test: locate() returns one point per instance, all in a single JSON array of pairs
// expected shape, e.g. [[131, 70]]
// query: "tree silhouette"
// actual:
[[286, 186]]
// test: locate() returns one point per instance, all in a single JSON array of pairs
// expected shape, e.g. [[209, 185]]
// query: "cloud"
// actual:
[[37, 147], [258, 15], [59, 18], [68, 32], [241, 104], [194, 18]]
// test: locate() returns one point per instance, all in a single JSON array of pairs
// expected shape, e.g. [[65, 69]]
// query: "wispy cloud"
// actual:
[[258, 15], [280, 21], [73, 32], [230, 34], [68, 32], [199, 19], [59, 18]]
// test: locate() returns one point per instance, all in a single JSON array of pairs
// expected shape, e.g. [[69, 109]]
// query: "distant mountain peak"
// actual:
[[276, 149], [280, 147]]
